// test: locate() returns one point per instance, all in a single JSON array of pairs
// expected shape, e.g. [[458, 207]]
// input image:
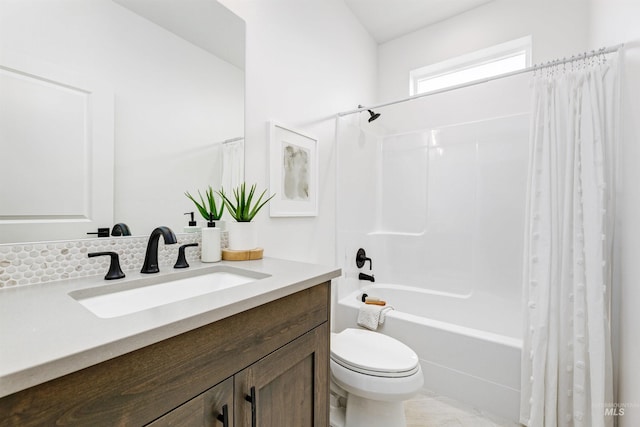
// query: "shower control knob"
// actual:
[[361, 258]]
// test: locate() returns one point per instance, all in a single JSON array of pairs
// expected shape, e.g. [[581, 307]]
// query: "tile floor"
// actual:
[[430, 410]]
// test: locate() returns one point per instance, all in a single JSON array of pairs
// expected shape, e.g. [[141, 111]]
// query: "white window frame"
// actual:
[[474, 59]]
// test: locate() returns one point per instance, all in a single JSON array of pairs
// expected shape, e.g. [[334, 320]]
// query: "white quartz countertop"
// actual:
[[46, 333]]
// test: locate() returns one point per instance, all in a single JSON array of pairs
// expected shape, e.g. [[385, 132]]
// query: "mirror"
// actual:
[[117, 107]]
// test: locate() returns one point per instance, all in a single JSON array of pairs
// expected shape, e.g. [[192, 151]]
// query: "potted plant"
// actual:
[[209, 209], [243, 234]]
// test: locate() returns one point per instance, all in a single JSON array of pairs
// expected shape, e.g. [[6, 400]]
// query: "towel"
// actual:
[[370, 316]]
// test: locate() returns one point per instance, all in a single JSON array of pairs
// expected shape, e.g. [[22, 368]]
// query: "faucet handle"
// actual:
[[361, 258], [115, 272], [182, 259]]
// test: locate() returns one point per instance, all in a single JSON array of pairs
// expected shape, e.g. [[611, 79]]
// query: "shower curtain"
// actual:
[[232, 163], [566, 359]]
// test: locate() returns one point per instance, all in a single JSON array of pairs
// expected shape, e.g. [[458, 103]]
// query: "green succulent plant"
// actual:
[[208, 207], [242, 210]]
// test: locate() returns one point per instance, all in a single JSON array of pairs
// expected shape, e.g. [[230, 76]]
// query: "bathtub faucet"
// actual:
[[363, 276]]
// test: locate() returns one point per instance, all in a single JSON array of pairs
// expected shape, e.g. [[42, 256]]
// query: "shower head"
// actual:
[[371, 113], [373, 116]]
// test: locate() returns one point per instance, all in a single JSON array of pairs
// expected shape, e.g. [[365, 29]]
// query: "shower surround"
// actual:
[[435, 191]]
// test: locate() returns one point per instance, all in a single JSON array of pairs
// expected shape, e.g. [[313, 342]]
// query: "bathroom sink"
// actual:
[[142, 294]]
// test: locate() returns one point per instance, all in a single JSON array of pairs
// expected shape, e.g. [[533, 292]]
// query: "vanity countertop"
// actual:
[[45, 333]]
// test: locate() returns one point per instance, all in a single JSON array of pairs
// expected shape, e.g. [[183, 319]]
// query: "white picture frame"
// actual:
[[293, 172]]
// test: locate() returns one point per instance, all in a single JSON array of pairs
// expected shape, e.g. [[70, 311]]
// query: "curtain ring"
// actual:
[[573, 63]]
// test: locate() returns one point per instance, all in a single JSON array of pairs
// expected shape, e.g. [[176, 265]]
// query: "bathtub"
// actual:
[[469, 346]]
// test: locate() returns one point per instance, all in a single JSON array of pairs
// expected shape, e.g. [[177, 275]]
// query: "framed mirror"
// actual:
[[112, 109]]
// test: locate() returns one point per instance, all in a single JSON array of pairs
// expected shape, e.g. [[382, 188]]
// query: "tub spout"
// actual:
[[363, 276]]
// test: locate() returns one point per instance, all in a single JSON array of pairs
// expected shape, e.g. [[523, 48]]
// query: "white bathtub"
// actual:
[[469, 346]]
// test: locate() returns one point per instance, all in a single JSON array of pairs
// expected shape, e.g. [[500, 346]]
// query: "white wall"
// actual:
[[613, 22], [306, 61], [173, 100], [558, 28]]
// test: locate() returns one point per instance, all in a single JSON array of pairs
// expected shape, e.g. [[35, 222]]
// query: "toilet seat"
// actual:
[[372, 353]]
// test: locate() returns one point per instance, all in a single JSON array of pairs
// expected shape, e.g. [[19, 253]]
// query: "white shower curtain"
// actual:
[[566, 358], [232, 164]]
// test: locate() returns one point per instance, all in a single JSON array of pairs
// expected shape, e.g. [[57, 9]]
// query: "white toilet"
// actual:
[[373, 373]]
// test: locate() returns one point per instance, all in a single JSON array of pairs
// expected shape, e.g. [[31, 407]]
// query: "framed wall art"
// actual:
[[293, 172]]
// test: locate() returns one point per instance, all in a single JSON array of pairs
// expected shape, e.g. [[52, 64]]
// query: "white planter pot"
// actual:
[[242, 235]]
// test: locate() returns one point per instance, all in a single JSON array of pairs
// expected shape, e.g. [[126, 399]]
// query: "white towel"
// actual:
[[370, 315]]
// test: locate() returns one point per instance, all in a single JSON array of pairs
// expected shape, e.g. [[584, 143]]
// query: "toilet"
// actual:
[[372, 374]]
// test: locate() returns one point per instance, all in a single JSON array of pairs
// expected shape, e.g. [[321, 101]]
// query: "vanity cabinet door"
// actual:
[[206, 410], [287, 388]]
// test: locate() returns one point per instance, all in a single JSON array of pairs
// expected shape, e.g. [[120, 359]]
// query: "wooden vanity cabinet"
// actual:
[[280, 350]]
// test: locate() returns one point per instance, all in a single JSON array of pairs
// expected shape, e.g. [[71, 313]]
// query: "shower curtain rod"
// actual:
[[582, 56], [228, 141]]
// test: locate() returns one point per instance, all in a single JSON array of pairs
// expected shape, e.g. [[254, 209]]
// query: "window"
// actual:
[[503, 58]]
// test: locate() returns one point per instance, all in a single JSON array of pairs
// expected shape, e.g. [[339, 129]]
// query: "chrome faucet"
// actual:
[[151, 257]]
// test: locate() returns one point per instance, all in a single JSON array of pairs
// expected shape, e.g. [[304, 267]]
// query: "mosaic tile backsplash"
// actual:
[[41, 262]]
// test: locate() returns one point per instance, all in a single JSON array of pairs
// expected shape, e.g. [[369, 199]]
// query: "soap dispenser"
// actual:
[[210, 250], [193, 225]]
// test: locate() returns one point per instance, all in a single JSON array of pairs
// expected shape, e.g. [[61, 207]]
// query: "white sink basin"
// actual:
[[142, 294]]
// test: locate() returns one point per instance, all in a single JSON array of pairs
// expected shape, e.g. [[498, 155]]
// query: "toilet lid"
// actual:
[[373, 353]]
